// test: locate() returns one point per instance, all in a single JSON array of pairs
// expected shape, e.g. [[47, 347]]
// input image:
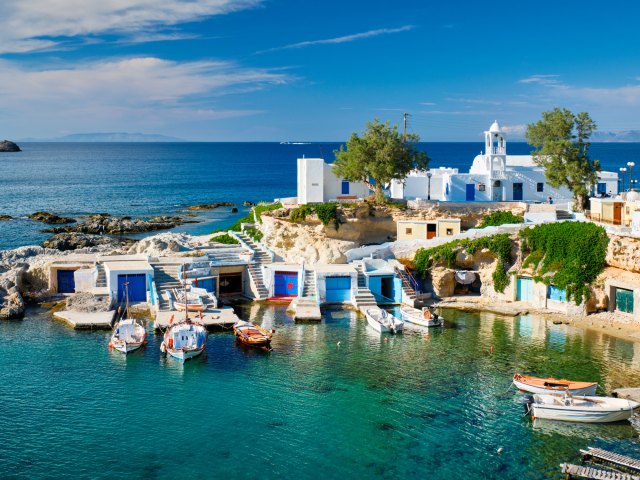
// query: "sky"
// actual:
[[271, 70]]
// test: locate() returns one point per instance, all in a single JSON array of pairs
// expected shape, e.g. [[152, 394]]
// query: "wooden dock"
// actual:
[[224, 317], [87, 320], [579, 471], [610, 458]]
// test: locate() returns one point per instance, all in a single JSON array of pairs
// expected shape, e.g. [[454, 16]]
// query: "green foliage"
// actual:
[[561, 140], [225, 238], [569, 255], [500, 217], [327, 213], [264, 207], [249, 218], [380, 154], [254, 233], [498, 245]]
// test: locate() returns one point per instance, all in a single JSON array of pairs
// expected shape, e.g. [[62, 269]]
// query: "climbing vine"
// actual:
[[498, 245], [569, 255], [327, 213]]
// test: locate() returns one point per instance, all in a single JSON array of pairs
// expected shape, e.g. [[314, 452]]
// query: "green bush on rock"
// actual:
[[500, 217], [569, 255], [327, 213]]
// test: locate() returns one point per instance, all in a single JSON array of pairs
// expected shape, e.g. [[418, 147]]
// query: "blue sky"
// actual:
[[254, 70]]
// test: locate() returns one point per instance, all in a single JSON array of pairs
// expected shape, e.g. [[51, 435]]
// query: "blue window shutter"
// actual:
[[345, 187]]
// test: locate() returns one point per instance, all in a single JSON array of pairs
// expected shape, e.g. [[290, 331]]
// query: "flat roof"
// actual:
[[431, 221], [337, 268], [121, 266]]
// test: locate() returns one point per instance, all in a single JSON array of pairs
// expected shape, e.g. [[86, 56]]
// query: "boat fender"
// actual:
[[171, 343], [527, 402]]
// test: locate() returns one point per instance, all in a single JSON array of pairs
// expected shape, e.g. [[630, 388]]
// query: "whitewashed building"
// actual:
[[317, 183], [494, 176]]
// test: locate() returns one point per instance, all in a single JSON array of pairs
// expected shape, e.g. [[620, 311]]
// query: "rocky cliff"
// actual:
[[7, 146]]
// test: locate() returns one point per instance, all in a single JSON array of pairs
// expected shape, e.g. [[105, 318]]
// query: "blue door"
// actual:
[[345, 187], [338, 289], [517, 191], [524, 291], [66, 282], [209, 284], [286, 284], [137, 287], [471, 192]]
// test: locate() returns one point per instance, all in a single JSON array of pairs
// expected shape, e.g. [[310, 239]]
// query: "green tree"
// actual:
[[380, 155], [562, 144]]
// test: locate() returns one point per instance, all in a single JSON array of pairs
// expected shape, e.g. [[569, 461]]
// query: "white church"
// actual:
[[493, 176]]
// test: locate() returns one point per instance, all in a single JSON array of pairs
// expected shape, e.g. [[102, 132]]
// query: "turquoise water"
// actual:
[[369, 407]]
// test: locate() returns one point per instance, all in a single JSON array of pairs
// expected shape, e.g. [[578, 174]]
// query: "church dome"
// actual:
[[495, 128], [633, 196]]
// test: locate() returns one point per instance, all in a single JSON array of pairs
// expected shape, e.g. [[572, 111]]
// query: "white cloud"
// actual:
[[427, 104], [515, 130], [342, 39], [124, 94], [541, 80], [35, 24], [474, 101]]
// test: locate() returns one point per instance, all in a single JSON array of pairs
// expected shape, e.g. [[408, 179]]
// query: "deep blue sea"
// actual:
[[139, 179], [333, 400]]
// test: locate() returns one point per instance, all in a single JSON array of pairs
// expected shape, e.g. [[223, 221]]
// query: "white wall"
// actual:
[[333, 186], [310, 180]]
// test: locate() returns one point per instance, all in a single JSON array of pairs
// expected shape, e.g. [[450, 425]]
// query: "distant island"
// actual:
[[623, 136], [109, 137]]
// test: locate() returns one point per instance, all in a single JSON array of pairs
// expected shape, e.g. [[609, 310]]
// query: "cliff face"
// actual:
[[624, 253]]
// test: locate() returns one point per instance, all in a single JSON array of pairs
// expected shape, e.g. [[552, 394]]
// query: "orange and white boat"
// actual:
[[527, 383], [252, 335], [188, 301]]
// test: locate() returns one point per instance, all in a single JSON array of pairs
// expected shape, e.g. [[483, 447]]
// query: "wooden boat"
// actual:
[[188, 301], [526, 383], [128, 333], [585, 409], [251, 334], [425, 317], [184, 340], [382, 321]]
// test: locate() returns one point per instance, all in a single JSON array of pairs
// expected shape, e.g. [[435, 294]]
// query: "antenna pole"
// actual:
[[404, 118]]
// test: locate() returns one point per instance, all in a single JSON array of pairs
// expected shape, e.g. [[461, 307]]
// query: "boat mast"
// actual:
[[184, 285], [126, 296]]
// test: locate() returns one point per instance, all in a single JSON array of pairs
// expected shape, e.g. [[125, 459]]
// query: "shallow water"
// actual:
[[332, 399]]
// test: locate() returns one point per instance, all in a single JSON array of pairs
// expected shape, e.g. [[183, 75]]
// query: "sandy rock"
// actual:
[[87, 302], [624, 253], [167, 244], [443, 281]]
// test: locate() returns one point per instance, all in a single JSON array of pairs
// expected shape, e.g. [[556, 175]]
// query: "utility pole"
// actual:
[[404, 137]]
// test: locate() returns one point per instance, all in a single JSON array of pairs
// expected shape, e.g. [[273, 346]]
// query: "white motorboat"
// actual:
[[585, 409], [128, 334], [425, 317], [382, 321], [184, 340], [189, 301]]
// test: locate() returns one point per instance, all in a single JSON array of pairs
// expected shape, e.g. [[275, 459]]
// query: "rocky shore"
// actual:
[[74, 241], [8, 146], [210, 206], [102, 223], [50, 218]]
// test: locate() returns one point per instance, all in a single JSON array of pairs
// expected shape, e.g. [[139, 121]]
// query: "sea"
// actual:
[[332, 400], [145, 179]]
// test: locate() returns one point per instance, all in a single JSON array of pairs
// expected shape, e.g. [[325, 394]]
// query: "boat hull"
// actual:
[[587, 409], [184, 355], [417, 319], [378, 326], [252, 335], [192, 307], [524, 387], [126, 347]]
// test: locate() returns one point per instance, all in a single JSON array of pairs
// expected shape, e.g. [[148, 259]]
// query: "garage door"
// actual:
[[286, 284], [624, 300], [66, 282], [524, 289], [137, 284], [338, 289]]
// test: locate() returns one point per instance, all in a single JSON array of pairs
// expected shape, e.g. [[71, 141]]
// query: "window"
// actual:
[[540, 187], [481, 187], [345, 187], [602, 188], [449, 231], [557, 294], [408, 231]]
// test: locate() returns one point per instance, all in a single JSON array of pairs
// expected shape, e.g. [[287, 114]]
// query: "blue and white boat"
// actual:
[[184, 340], [585, 409]]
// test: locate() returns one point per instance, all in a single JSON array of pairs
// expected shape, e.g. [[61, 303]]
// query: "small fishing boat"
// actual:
[[382, 321], [252, 335], [128, 333], [184, 340], [188, 301], [425, 317], [527, 383], [584, 409]]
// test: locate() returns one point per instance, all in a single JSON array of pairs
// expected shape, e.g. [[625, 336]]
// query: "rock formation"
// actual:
[[50, 218], [7, 146], [73, 241], [209, 206], [87, 302], [104, 223], [166, 244], [5, 217]]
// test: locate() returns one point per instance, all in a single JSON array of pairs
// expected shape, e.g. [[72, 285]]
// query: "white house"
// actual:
[[317, 183], [493, 176]]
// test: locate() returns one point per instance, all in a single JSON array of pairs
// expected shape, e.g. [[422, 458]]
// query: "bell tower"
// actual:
[[495, 145]]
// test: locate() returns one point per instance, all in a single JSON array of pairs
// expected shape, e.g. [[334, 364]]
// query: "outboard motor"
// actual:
[[527, 402]]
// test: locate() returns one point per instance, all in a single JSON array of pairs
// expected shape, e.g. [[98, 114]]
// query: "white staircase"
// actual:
[[364, 298], [165, 277], [261, 256], [101, 281], [408, 287], [309, 287]]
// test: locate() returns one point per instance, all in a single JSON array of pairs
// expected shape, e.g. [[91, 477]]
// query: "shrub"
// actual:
[[500, 217], [226, 239], [327, 213], [254, 233], [498, 245], [249, 218], [569, 255]]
